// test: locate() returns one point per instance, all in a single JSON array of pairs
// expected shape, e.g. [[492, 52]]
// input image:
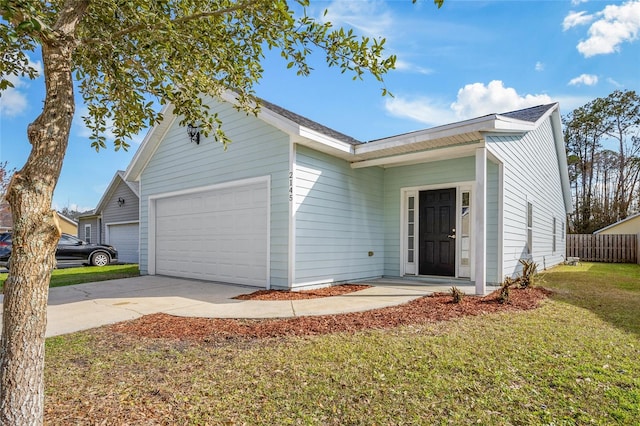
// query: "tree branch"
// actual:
[[194, 17]]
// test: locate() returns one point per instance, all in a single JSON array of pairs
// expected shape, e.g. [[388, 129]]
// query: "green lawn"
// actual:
[[87, 274], [574, 361]]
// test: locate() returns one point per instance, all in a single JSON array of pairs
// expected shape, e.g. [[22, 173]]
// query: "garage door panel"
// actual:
[[217, 235], [124, 237]]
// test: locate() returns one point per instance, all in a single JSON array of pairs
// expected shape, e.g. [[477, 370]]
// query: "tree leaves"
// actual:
[[133, 52]]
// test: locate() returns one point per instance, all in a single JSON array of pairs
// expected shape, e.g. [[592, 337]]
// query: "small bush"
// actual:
[[508, 282], [457, 294], [529, 270]]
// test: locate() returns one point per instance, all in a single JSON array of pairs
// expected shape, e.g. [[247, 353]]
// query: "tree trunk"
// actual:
[[35, 236]]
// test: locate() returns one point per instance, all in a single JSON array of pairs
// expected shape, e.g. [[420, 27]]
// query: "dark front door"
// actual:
[[437, 221]]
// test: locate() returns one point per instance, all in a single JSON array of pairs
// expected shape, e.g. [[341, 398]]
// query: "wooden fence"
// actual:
[[603, 248]]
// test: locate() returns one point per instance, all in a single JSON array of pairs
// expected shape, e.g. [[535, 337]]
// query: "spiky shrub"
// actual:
[[505, 288], [456, 294], [529, 270]]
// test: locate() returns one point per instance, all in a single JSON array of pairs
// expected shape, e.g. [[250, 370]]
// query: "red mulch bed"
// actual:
[[428, 309], [336, 290]]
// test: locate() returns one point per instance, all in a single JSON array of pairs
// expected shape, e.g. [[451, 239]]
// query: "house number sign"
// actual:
[[290, 186]]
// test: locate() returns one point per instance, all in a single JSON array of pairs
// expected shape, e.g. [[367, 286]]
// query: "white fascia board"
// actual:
[[330, 142], [107, 193], [476, 125], [150, 144], [561, 153], [279, 122], [437, 154], [296, 131], [292, 128], [130, 184], [489, 123], [620, 222], [506, 124]]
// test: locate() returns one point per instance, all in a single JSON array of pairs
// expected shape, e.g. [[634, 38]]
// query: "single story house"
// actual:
[[629, 225], [6, 220], [67, 225], [115, 220], [292, 204]]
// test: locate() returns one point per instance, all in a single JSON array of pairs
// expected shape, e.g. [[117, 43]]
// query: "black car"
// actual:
[[70, 250]]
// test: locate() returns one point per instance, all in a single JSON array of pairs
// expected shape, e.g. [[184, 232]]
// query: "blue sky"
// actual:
[[467, 59]]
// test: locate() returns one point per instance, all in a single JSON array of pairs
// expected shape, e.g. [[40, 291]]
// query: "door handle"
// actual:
[[453, 237]]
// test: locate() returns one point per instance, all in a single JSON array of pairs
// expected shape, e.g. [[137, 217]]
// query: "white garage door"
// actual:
[[124, 237], [216, 235]]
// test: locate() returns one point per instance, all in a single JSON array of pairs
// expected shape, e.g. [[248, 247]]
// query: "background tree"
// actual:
[[603, 150], [5, 176], [623, 123], [124, 56]]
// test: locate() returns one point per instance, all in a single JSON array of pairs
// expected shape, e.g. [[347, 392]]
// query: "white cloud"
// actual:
[[13, 101], [473, 100], [614, 26], [573, 19], [409, 67], [577, 2], [422, 109], [539, 66], [477, 99], [613, 82], [586, 79], [369, 17]]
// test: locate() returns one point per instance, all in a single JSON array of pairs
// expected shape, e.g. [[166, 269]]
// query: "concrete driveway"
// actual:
[[85, 306]]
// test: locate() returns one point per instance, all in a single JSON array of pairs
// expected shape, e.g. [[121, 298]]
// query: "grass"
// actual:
[[86, 274], [574, 361]]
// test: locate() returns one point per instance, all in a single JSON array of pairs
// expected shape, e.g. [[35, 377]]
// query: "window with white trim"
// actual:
[[411, 222], [87, 233]]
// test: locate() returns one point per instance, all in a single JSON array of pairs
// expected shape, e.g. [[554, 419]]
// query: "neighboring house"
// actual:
[[292, 204], [630, 225], [115, 220], [67, 225], [89, 227], [6, 220]]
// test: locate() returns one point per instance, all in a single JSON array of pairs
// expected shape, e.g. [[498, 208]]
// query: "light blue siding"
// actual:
[[339, 220], [396, 178], [493, 274], [531, 174], [257, 149]]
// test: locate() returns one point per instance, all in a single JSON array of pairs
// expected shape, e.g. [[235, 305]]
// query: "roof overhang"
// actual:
[[450, 141], [118, 177], [298, 133]]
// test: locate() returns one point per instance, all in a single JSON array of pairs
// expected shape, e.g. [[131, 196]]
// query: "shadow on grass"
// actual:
[[611, 291]]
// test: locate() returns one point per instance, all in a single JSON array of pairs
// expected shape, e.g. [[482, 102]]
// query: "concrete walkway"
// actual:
[[85, 306]]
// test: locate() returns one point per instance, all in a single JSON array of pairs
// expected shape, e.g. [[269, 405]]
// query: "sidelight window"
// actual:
[[411, 229]]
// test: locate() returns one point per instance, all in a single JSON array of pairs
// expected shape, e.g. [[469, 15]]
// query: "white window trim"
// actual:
[[405, 193], [87, 226]]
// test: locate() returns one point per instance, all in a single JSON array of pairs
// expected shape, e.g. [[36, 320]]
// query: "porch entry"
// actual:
[[437, 232]]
